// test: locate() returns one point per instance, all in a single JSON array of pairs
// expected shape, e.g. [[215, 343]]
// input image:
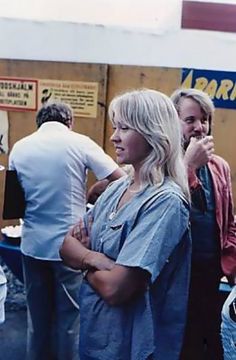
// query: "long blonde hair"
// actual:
[[153, 115]]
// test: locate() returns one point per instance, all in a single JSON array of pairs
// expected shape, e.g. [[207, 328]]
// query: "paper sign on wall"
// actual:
[[18, 94], [81, 96]]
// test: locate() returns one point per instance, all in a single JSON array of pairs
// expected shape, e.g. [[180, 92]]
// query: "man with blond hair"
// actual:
[[212, 225]]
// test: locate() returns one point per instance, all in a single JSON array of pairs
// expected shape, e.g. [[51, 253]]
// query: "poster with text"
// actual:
[[18, 94], [81, 96]]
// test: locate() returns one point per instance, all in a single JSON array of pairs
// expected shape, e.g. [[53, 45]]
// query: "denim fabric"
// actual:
[[53, 312], [228, 326], [204, 230], [149, 232]]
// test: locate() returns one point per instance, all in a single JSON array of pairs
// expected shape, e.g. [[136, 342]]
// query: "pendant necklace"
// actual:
[[112, 215]]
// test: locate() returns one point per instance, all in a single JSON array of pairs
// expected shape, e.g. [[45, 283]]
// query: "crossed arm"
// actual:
[[116, 284]]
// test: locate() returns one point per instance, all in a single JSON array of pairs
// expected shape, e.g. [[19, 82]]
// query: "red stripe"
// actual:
[[208, 16]]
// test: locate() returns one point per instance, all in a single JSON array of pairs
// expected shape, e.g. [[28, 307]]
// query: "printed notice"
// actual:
[[81, 96], [18, 94]]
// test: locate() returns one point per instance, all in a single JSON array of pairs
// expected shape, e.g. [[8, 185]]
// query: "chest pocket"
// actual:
[[112, 238]]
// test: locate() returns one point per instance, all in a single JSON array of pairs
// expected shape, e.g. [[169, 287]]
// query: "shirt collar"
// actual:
[[53, 125]]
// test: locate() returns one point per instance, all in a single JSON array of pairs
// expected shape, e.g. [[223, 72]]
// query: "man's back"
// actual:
[[51, 165]]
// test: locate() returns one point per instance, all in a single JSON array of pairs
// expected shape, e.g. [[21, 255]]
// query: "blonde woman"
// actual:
[[134, 295]]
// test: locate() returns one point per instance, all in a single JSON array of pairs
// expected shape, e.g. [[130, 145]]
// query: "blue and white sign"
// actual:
[[219, 85]]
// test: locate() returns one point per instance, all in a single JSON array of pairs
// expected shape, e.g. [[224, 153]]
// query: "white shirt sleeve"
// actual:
[[98, 161]]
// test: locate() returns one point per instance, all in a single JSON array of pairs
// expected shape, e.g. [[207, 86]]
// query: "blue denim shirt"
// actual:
[[149, 232]]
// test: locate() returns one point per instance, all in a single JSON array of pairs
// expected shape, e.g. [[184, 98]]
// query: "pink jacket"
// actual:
[[220, 173]]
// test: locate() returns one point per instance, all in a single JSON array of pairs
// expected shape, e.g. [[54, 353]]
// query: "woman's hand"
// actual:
[[81, 233], [75, 253]]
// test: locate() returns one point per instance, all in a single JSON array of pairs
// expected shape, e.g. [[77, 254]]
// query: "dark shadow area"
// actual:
[[13, 335], [13, 330]]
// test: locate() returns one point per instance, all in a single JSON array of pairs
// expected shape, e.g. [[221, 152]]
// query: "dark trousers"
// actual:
[[53, 312], [202, 336]]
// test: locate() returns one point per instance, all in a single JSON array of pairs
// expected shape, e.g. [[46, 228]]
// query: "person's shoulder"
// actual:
[[83, 141], [171, 188], [168, 193], [218, 159], [219, 162], [24, 141], [78, 135], [174, 193]]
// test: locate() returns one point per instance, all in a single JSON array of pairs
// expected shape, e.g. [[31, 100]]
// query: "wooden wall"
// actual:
[[22, 123], [112, 80]]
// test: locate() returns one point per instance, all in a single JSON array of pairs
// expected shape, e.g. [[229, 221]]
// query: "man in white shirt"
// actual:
[[52, 165]]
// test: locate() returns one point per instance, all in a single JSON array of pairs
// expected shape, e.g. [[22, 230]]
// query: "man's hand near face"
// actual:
[[199, 152]]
